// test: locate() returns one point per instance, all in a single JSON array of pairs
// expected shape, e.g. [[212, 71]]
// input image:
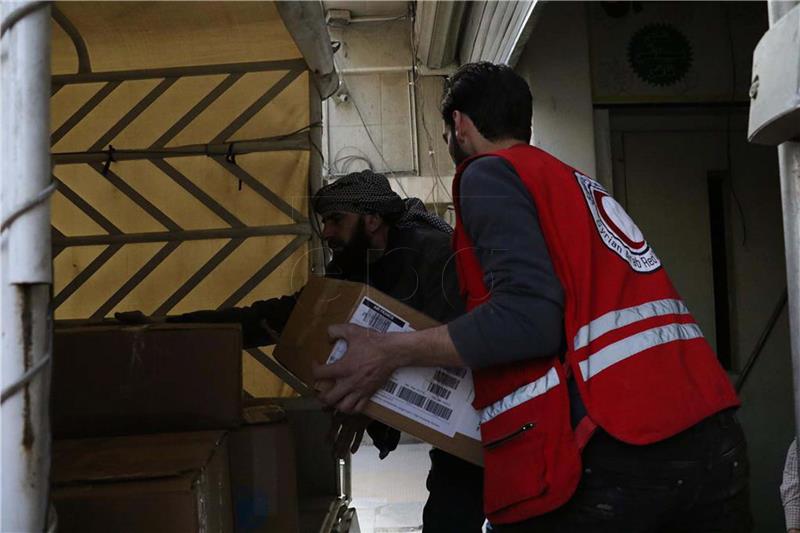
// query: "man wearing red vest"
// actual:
[[603, 408]]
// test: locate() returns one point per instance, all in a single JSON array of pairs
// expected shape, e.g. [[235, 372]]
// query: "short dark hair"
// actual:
[[495, 97]]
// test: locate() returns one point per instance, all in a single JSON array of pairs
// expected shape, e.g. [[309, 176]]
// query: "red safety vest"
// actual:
[[642, 366]]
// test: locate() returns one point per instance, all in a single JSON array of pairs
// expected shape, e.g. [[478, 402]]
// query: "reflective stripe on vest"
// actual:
[[521, 395], [617, 319], [639, 342]]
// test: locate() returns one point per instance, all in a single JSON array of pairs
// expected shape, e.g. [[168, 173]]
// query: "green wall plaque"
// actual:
[[659, 54]]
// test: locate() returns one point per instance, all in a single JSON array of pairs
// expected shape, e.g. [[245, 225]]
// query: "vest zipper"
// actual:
[[501, 440]]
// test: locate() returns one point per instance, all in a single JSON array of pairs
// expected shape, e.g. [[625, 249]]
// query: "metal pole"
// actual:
[[776, 9], [26, 266], [315, 162], [179, 72], [368, 20], [183, 236], [789, 163], [295, 141], [374, 70]]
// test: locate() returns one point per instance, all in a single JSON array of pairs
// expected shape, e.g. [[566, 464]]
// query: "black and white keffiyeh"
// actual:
[[369, 192]]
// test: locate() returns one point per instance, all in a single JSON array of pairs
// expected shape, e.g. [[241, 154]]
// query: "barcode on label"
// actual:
[[446, 379], [377, 321], [439, 391], [438, 409], [376, 317], [411, 397], [390, 386], [459, 372]]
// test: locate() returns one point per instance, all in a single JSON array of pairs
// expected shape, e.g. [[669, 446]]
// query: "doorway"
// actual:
[[709, 204]]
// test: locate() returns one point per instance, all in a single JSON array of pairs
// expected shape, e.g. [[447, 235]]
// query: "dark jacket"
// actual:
[[416, 268]]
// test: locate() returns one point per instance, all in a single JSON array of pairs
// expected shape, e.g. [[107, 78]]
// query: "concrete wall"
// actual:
[[720, 38], [555, 64], [401, 117], [436, 168], [375, 91]]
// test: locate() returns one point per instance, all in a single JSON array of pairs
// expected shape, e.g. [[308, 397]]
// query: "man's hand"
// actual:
[[346, 433], [372, 357], [362, 370]]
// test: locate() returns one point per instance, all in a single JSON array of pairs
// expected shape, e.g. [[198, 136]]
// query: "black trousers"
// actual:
[[455, 500], [696, 481]]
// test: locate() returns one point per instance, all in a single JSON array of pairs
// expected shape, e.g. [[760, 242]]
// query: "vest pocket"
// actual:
[[514, 467]]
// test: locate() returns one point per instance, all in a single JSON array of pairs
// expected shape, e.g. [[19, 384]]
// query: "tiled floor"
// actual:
[[389, 495]]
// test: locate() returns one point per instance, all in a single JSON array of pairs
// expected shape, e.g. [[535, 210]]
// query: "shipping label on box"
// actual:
[[438, 398]]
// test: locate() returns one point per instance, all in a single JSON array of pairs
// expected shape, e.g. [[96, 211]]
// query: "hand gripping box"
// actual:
[[433, 404]]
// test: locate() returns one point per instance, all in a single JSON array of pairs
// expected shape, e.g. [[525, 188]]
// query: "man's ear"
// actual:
[[465, 129], [458, 118], [468, 134]]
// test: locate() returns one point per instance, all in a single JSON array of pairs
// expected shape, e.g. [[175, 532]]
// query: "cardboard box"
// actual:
[[155, 483], [263, 473], [318, 475], [432, 404], [128, 380]]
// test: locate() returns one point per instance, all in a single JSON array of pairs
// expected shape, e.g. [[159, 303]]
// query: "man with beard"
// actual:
[[399, 248]]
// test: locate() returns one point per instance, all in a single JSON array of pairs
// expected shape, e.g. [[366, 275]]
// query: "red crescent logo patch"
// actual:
[[616, 228]]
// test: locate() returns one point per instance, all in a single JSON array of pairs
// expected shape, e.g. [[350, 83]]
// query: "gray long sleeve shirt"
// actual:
[[523, 317]]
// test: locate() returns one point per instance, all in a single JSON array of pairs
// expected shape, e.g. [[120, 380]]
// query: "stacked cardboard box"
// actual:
[[151, 434], [125, 380], [263, 473], [159, 482]]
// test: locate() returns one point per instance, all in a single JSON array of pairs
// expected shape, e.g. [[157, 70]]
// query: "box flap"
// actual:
[[66, 328], [131, 458], [263, 411]]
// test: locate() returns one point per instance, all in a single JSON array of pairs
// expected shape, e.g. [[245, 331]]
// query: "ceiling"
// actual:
[[368, 8]]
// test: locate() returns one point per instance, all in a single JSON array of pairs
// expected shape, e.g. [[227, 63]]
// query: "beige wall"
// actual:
[[556, 65], [721, 37], [409, 145]]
